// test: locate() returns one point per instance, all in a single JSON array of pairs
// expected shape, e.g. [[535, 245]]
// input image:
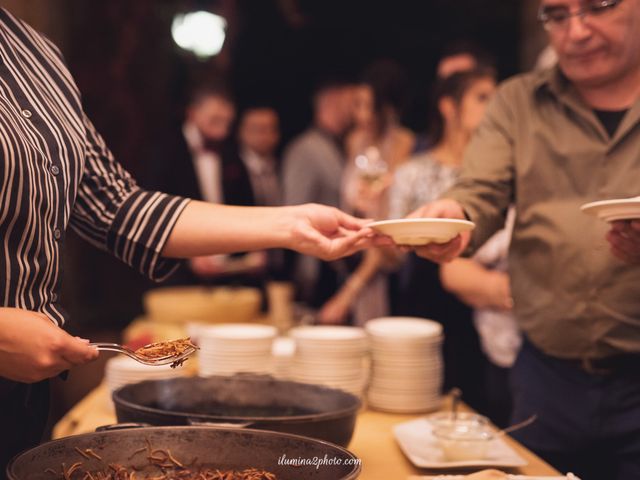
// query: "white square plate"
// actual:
[[421, 447], [420, 231]]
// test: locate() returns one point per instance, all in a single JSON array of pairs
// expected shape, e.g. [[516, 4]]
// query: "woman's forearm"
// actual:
[[310, 229], [206, 229]]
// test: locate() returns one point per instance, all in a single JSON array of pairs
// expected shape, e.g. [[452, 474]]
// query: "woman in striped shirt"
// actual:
[[56, 172]]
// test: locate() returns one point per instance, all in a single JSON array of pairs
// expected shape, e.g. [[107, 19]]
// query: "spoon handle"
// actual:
[[518, 425], [112, 347]]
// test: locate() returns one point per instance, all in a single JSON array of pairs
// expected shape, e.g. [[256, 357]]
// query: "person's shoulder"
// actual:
[[516, 97], [298, 148], [521, 84], [301, 139], [25, 33], [305, 144]]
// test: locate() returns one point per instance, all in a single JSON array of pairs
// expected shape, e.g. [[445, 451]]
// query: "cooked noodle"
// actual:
[[174, 348], [162, 465]]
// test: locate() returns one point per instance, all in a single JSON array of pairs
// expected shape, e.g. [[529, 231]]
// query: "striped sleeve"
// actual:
[[114, 214]]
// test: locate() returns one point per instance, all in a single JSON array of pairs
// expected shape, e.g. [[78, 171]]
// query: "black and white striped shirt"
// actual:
[[56, 171]]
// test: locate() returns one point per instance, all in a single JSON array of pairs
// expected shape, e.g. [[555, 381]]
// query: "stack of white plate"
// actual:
[[282, 357], [332, 356], [406, 364], [231, 348], [122, 370]]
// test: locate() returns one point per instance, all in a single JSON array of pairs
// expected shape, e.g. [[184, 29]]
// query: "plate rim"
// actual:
[[612, 202], [400, 221]]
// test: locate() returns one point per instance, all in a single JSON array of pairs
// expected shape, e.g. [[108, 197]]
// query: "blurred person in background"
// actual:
[[202, 162], [376, 146], [378, 143], [460, 102], [462, 56], [313, 168], [457, 56], [552, 141], [58, 173], [258, 139]]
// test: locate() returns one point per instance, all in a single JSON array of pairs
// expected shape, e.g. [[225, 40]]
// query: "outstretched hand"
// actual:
[[442, 252], [329, 233]]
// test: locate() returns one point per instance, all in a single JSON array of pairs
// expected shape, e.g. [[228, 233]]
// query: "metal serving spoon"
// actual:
[[167, 359]]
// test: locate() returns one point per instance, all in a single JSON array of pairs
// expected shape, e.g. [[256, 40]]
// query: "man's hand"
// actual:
[[624, 239], [326, 232], [32, 348], [442, 252]]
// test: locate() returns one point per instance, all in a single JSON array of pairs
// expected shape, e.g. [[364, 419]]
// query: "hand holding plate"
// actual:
[[442, 252], [624, 239]]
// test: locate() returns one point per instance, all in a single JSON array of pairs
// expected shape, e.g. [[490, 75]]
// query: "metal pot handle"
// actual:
[[199, 423], [121, 426]]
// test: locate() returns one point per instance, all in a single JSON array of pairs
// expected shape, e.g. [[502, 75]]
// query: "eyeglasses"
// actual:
[[556, 18]]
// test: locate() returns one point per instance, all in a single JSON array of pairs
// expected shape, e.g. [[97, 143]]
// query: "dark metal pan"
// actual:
[[255, 401], [226, 449]]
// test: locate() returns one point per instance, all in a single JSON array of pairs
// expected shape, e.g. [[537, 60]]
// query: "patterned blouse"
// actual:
[[422, 179], [56, 172]]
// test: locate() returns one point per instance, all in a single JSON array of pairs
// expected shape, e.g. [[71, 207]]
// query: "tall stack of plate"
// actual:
[[332, 356], [122, 370], [233, 348], [406, 364]]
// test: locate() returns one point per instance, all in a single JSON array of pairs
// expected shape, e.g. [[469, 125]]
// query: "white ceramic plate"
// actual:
[[420, 231], [283, 347], [329, 334], [237, 332], [612, 210], [387, 329], [421, 447]]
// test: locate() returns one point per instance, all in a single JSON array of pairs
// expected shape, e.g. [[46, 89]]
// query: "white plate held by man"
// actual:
[[421, 231]]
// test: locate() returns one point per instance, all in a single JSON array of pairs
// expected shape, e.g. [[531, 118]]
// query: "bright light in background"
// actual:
[[199, 32]]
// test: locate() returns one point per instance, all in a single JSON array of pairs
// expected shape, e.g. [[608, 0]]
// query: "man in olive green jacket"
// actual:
[[551, 142]]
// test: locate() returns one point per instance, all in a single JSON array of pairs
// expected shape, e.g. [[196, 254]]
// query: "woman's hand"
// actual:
[[327, 232], [33, 348]]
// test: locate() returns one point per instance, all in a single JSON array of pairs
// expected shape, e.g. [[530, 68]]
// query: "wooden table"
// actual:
[[373, 440]]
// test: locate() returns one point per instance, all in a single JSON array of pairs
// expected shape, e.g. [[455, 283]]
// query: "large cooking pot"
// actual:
[[255, 401], [226, 449]]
